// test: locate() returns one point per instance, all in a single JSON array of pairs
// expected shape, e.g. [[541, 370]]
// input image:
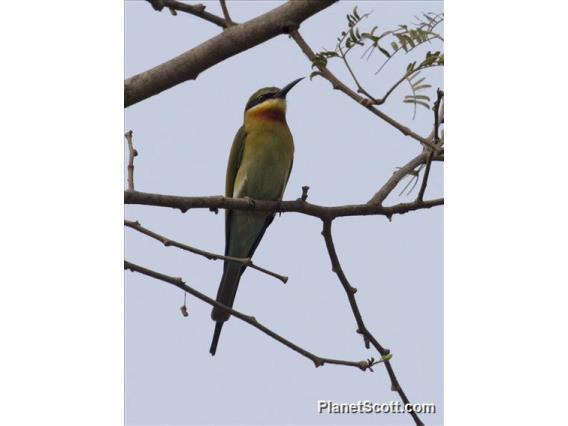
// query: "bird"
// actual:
[[259, 166]]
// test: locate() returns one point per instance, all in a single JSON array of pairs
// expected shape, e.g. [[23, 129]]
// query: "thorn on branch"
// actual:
[[365, 338], [318, 362], [214, 210], [305, 190]]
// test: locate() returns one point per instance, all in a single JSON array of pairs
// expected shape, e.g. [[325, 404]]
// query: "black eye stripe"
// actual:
[[259, 100]]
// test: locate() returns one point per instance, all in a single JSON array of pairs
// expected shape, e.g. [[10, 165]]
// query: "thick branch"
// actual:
[[367, 103], [298, 206], [211, 256], [317, 360], [361, 328], [230, 42]]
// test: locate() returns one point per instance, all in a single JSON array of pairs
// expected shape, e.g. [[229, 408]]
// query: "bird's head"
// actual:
[[269, 103]]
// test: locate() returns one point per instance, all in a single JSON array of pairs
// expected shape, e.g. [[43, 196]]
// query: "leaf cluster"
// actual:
[[402, 40]]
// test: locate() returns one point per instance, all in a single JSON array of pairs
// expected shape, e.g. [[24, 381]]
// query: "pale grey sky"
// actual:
[[344, 154]]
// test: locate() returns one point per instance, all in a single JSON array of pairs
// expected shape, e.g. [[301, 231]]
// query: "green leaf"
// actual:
[[384, 51], [356, 14], [419, 81], [352, 34], [409, 41], [414, 75], [314, 73], [421, 87], [413, 101]]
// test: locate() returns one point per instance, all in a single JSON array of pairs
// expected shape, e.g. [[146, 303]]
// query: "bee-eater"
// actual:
[[259, 167]]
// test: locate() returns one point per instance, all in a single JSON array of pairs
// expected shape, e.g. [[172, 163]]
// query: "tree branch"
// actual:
[[436, 140], [131, 154], [361, 328], [367, 103], [360, 87], [228, 19], [397, 176], [230, 42], [317, 360], [196, 10], [297, 206], [211, 256]]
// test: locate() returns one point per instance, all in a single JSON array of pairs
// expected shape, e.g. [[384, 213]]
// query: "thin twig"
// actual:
[[297, 206], [360, 88], [196, 10], [436, 140], [131, 154], [211, 256], [367, 103], [420, 196], [317, 360], [405, 77], [361, 328], [397, 176], [228, 21]]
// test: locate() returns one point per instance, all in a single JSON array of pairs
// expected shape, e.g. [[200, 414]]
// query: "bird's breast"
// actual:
[[266, 162]]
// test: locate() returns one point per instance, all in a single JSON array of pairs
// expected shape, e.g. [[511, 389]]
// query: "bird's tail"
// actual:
[[225, 295], [216, 334]]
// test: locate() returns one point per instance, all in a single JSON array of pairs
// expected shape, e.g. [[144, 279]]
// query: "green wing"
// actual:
[[235, 158]]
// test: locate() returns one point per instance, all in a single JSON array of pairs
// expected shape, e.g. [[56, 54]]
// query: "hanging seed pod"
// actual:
[[184, 311]]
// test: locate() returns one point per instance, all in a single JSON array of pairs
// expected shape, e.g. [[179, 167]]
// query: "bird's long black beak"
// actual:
[[284, 91]]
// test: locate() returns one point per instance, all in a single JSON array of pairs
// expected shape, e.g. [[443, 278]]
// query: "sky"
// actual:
[[344, 154]]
